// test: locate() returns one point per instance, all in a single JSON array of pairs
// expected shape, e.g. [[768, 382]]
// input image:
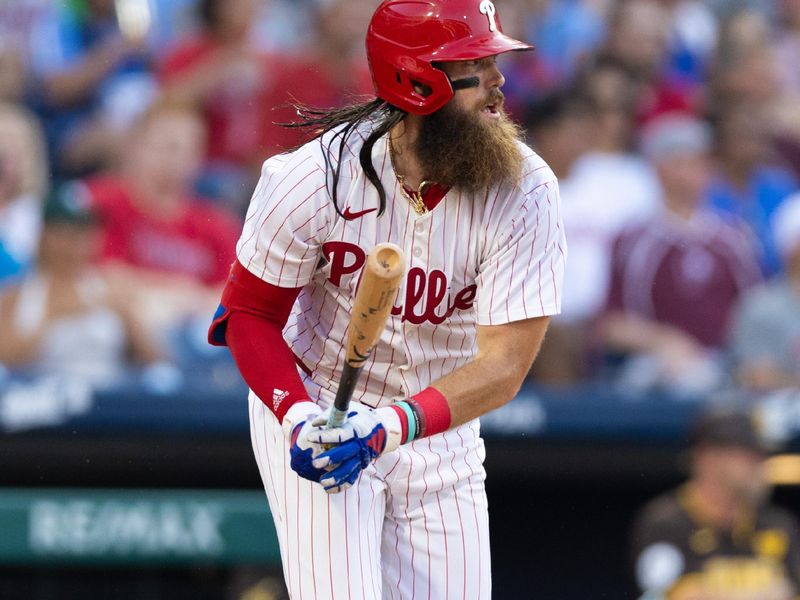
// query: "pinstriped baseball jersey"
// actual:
[[483, 259]]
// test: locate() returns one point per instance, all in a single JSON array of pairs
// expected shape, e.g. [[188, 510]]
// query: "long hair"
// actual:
[[345, 120]]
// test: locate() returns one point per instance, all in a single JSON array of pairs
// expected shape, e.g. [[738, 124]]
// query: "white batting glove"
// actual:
[[305, 410], [298, 428], [364, 436]]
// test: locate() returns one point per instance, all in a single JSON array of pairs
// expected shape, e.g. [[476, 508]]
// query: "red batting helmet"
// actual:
[[405, 38]]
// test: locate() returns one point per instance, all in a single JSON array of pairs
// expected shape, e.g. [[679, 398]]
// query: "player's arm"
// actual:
[[518, 289], [505, 355], [277, 255], [491, 379], [250, 321]]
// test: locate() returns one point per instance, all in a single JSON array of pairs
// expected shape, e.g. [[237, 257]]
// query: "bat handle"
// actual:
[[347, 384], [336, 417]]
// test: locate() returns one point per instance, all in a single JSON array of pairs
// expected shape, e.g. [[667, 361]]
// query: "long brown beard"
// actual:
[[458, 148]]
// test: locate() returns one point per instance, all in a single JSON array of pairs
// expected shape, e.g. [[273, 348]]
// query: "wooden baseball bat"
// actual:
[[384, 268]]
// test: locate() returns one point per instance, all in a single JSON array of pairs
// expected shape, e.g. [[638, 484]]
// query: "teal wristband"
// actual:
[[412, 421]]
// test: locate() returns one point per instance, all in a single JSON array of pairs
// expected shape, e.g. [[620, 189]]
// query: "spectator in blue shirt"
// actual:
[[565, 34], [9, 267], [748, 185], [23, 182], [94, 77]]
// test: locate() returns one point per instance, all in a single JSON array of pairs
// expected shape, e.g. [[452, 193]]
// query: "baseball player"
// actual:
[[392, 504], [718, 536]]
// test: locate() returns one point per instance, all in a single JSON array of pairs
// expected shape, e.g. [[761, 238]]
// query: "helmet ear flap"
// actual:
[[433, 86], [413, 87]]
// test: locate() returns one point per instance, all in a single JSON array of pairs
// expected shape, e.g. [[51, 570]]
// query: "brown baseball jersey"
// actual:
[[673, 546]]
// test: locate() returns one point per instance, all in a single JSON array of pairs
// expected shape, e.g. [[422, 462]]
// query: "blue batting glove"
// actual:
[[342, 477], [299, 428], [303, 452], [364, 436]]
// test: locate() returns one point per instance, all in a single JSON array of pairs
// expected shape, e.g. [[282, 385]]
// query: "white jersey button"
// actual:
[[417, 251]]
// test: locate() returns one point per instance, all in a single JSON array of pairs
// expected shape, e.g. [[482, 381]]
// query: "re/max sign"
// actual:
[[86, 527]]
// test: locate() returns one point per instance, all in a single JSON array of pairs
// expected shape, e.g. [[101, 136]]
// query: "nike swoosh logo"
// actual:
[[349, 216]]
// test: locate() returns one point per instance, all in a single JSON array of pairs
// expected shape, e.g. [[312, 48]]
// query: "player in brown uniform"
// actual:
[[717, 537]]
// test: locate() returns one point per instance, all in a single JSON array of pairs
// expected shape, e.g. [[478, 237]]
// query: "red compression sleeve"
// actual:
[[250, 322]]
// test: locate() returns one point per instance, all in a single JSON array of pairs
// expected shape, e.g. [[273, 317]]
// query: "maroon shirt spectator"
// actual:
[[676, 277], [687, 274]]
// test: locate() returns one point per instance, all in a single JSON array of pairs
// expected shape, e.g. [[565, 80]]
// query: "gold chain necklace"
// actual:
[[414, 198]]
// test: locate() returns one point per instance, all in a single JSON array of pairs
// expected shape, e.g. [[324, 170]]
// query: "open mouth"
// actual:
[[491, 109]]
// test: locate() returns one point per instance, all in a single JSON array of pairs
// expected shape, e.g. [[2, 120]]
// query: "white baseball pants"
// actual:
[[414, 526]]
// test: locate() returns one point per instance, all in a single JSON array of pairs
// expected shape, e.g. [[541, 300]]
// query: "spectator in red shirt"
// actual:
[[325, 74], [246, 95], [676, 278], [222, 72], [155, 230]]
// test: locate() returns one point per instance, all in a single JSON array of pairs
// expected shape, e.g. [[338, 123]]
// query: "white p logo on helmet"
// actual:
[[488, 9]]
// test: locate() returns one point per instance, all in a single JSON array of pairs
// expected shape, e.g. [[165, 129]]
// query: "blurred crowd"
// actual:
[[133, 132], [674, 128]]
